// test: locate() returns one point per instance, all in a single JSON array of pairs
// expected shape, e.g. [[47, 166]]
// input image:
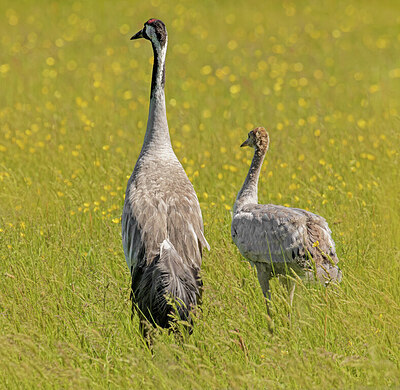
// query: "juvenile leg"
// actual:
[[263, 278], [291, 286]]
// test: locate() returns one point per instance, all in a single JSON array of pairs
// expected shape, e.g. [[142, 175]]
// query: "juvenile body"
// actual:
[[276, 238]]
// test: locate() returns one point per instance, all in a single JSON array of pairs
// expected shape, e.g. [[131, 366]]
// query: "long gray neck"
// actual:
[[157, 132], [248, 192]]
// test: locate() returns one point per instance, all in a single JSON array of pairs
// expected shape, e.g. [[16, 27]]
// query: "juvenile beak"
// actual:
[[138, 35], [246, 143]]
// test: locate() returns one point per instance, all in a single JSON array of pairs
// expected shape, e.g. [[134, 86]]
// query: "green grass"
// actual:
[[322, 77]]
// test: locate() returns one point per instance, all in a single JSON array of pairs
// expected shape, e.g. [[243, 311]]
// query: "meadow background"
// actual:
[[322, 76]]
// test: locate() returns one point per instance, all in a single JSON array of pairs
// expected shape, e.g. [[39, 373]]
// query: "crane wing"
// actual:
[[133, 237], [148, 219]]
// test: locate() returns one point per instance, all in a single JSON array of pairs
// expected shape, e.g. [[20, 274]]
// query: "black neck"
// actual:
[[157, 82], [157, 133]]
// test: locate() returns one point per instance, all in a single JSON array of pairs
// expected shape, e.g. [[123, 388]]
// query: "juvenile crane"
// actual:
[[162, 225], [276, 238]]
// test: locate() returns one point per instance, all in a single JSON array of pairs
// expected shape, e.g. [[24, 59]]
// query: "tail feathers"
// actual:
[[332, 274], [326, 273], [167, 283], [182, 281]]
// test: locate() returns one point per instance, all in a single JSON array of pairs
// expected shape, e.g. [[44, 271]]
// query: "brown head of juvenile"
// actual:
[[258, 139]]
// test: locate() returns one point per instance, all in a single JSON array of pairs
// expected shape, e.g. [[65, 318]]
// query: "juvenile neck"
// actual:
[[248, 194], [157, 132]]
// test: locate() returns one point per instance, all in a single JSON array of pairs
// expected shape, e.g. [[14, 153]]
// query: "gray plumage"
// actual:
[[162, 226], [276, 238]]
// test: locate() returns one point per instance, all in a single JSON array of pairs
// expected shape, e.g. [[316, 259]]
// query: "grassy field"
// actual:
[[322, 77]]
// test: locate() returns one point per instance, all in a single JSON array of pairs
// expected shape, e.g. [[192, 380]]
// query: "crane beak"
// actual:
[[246, 143], [138, 35]]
